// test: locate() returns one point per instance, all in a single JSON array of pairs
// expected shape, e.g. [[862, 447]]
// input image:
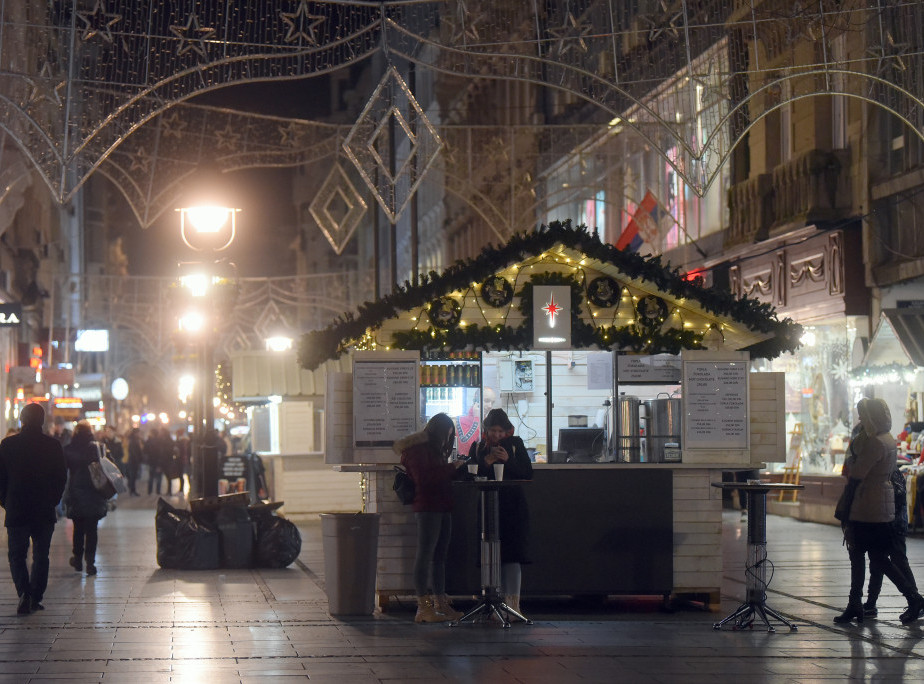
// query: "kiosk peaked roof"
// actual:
[[566, 254]]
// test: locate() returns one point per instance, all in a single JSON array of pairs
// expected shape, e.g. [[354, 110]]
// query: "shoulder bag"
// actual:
[[403, 486]]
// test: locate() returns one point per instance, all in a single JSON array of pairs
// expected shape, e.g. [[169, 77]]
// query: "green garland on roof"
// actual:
[[330, 342]]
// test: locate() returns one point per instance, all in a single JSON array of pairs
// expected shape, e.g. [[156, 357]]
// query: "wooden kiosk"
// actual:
[[622, 520]]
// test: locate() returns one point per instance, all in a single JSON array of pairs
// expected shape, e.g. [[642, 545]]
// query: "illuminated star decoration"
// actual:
[[99, 22], [663, 22], [552, 309], [192, 37], [40, 91], [888, 58], [465, 26], [227, 138], [572, 33], [174, 125], [291, 134], [301, 24]]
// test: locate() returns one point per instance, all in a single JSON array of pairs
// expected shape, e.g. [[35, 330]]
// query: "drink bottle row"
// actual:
[[450, 375], [439, 355]]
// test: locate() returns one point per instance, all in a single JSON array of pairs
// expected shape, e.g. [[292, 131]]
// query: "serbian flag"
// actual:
[[645, 224]]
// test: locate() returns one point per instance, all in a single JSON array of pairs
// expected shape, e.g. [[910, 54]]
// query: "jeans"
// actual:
[[154, 479], [433, 533], [85, 539], [18, 541]]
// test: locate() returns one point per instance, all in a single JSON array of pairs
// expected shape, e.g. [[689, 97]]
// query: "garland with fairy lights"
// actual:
[[347, 329], [224, 392], [883, 374]]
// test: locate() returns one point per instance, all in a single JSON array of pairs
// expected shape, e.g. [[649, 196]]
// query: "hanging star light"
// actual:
[[572, 34], [98, 22], [301, 24], [192, 36]]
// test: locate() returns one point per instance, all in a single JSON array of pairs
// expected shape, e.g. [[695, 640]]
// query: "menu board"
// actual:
[[384, 400], [664, 368], [715, 398]]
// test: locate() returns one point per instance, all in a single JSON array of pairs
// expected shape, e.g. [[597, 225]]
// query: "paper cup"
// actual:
[[472, 468], [498, 471]]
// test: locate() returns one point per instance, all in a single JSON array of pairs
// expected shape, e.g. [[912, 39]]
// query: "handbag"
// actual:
[[842, 508], [100, 481], [105, 475], [403, 486]]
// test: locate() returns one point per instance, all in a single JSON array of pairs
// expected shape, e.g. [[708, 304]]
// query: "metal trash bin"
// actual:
[[351, 543]]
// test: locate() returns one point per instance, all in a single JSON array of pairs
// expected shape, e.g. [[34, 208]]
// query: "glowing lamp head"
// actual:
[[208, 219], [278, 343], [192, 322]]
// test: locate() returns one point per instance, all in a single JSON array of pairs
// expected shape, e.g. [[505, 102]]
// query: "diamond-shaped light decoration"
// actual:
[[385, 164], [338, 208]]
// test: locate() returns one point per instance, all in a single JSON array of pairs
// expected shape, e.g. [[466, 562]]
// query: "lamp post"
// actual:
[[208, 292]]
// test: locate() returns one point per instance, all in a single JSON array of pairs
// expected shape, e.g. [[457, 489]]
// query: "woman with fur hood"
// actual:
[[869, 528], [425, 456]]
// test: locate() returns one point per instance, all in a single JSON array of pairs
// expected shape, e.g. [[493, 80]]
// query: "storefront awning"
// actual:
[[899, 339]]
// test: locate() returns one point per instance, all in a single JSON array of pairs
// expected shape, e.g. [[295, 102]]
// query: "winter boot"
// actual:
[[426, 611], [444, 605], [854, 611], [76, 562], [915, 608], [91, 559]]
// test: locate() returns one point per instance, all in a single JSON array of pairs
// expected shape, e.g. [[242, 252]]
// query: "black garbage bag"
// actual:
[[278, 542], [182, 542], [235, 530]]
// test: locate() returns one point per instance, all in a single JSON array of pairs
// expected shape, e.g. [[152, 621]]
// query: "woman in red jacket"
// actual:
[[425, 456]]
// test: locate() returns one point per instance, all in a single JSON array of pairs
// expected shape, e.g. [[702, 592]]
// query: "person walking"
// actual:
[[32, 478], [135, 459], [82, 502], [868, 527], [182, 457], [425, 456], [501, 446]]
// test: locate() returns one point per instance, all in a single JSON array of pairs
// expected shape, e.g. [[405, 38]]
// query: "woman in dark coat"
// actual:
[[498, 445], [82, 502]]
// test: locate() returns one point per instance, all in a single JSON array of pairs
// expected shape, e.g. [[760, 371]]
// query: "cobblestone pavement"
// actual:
[[134, 622]]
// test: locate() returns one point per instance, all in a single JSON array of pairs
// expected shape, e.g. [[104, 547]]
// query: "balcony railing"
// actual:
[[809, 189]]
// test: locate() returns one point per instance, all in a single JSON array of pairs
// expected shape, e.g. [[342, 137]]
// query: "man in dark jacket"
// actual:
[[32, 478]]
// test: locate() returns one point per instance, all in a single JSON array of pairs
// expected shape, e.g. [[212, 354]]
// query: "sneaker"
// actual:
[[36, 605], [25, 605]]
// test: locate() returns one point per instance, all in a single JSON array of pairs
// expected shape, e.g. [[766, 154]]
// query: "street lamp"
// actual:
[[207, 289]]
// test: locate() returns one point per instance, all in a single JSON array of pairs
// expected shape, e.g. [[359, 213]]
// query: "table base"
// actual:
[[747, 612], [492, 606]]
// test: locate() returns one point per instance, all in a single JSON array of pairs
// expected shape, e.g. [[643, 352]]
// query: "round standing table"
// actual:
[[755, 602], [491, 601]]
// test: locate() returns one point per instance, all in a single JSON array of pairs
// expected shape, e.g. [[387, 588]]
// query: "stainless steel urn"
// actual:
[[663, 426], [628, 441]]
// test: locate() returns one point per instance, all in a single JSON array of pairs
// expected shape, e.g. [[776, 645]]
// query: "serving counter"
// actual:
[[616, 528]]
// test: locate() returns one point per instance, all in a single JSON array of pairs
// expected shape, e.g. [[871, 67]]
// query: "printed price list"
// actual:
[[715, 395], [384, 401]]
